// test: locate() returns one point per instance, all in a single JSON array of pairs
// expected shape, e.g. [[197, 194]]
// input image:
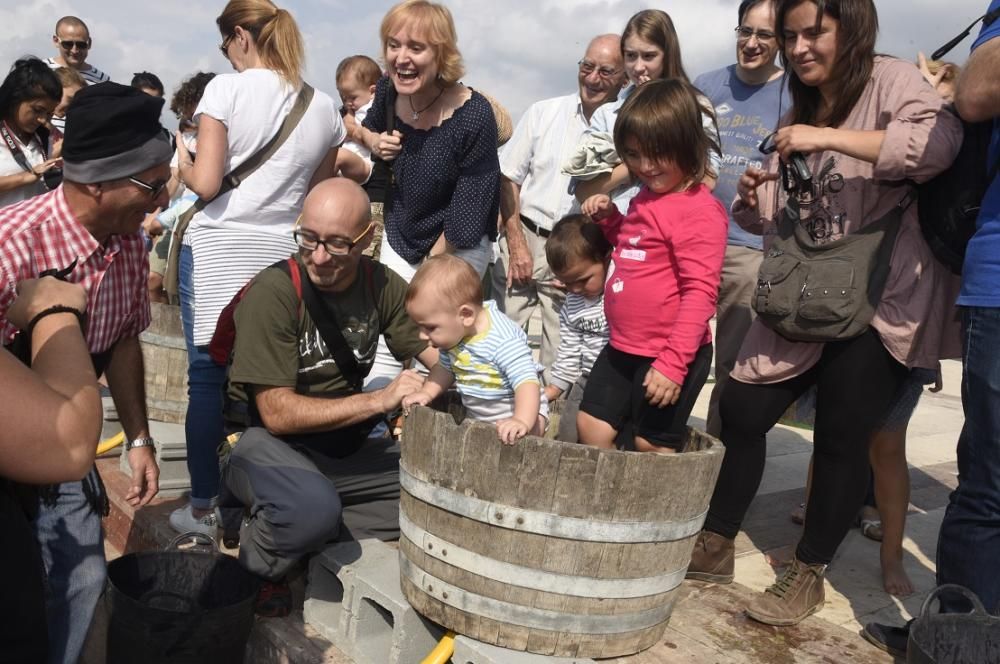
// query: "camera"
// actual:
[[52, 178]]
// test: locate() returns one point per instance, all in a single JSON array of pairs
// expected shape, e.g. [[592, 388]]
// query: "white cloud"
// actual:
[[518, 50]]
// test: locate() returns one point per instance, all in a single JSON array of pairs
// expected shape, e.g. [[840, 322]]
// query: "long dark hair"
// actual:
[[29, 78], [855, 57], [656, 27]]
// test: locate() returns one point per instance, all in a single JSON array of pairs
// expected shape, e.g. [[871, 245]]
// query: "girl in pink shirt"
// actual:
[[662, 285]]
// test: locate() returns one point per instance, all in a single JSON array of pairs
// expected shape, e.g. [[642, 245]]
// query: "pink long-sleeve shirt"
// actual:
[[664, 279], [916, 318]]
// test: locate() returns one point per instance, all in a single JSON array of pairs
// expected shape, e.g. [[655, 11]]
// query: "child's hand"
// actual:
[[552, 392], [597, 207], [660, 390], [511, 430], [420, 398]]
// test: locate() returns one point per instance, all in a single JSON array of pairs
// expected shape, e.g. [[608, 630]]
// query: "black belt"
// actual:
[[535, 228]]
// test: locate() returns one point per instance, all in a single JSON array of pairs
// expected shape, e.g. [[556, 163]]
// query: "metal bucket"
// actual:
[[179, 607], [954, 638]]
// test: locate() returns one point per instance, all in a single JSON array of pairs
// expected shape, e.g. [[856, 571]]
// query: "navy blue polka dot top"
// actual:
[[446, 178]]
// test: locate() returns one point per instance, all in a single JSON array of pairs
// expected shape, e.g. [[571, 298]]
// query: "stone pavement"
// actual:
[[708, 624]]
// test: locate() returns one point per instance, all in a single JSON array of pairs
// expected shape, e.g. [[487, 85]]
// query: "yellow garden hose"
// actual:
[[443, 651], [109, 444]]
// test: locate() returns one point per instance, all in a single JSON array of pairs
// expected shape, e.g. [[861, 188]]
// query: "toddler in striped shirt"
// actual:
[[483, 353]]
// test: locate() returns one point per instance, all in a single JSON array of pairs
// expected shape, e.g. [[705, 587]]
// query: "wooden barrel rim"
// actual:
[[547, 523], [535, 579], [525, 616]]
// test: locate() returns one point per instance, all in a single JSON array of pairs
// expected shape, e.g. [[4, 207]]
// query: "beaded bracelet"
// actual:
[[57, 309]]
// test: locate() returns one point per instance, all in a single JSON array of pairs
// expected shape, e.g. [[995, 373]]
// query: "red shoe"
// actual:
[[274, 599]]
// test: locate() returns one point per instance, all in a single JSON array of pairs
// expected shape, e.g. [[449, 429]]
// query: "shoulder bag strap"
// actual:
[[326, 323], [390, 126]]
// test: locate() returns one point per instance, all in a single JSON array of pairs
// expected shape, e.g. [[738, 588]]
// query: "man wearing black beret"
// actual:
[[87, 230]]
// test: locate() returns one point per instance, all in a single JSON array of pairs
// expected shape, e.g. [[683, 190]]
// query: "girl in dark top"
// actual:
[[446, 175]]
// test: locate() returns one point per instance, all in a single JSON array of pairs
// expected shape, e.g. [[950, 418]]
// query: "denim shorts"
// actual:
[[905, 402]]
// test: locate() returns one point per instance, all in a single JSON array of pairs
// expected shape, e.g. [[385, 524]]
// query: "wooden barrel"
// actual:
[[550, 547], [165, 357]]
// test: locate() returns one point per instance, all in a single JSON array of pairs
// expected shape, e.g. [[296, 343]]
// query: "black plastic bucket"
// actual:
[[179, 607], [954, 638]]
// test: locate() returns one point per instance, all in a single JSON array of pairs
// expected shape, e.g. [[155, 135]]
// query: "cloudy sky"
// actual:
[[517, 50]]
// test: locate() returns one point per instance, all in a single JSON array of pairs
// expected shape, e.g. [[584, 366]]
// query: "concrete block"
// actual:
[[374, 623], [470, 651]]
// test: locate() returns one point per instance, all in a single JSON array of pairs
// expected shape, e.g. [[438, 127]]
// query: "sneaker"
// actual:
[[796, 594], [713, 558], [274, 599], [183, 521]]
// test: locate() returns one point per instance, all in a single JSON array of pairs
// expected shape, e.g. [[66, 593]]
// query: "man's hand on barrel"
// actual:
[[405, 384]]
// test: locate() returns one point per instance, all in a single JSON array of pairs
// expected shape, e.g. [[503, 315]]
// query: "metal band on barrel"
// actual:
[[534, 579], [546, 523], [526, 616]]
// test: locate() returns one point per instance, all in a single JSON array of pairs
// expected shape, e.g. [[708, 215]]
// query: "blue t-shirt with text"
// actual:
[[746, 115], [981, 272]]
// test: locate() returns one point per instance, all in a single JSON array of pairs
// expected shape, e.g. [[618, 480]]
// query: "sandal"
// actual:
[[798, 515], [872, 529]]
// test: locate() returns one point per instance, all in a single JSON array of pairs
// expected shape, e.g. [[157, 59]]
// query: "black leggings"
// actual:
[[856, 382]]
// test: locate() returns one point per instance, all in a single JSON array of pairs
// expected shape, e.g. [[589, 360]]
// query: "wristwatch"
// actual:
[[139, 442]]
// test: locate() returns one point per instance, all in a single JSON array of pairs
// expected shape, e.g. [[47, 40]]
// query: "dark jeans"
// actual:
[[856, 381], [969, 541], [300, 499]]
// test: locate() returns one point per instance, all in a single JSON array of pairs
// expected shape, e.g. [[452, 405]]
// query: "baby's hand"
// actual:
[[420, 398], [597, 207], [511, 430]]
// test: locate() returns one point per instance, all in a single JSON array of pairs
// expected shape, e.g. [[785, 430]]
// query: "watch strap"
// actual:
[[145, 441]]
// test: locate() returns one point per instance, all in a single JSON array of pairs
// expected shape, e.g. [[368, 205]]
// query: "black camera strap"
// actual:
[[15, 149], [987, 20]]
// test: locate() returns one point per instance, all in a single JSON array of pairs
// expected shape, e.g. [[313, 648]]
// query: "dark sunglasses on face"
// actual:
[[78, 45], [154, 188], [224, 46]]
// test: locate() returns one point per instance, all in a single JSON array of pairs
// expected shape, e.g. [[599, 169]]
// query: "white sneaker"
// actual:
[[183, 521]]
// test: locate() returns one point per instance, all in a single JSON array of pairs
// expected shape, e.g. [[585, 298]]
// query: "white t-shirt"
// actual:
[[252, 105], [357, 148], [8, 166]]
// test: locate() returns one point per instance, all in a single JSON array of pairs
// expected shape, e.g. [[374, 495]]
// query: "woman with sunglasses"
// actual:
[[651, 51], [243, 231], [862, 124], [28, 96]]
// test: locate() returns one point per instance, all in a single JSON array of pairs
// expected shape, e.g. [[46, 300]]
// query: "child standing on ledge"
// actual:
[[484, 353], [664, 278]]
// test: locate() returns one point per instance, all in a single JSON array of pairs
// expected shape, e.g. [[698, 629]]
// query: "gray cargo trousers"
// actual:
[[299, 499]]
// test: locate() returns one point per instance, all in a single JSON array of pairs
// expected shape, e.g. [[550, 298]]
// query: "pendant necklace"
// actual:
[[416, 113]]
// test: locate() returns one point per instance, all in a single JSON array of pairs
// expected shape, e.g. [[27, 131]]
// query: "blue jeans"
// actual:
[[69, 534], [969, 542], [203, 425]]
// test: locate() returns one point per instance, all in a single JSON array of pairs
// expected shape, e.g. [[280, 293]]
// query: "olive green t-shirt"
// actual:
[[278, 345]]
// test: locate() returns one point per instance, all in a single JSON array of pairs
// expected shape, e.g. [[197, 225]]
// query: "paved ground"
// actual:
[[708, 624]]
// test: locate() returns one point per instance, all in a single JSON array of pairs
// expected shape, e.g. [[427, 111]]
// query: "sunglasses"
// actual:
[[154, 188], [224, 46], [78, 45]]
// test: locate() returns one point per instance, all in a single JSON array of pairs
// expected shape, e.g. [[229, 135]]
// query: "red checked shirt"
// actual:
[[41, 233]]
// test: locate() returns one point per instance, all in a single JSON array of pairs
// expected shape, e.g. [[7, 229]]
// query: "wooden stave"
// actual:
[[165, 360]]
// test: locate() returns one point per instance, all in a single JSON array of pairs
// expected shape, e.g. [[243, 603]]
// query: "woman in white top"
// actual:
[[650, 51], [28, 96], [245, 230]]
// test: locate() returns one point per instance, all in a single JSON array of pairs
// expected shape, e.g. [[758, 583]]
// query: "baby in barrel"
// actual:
[[483, 353]]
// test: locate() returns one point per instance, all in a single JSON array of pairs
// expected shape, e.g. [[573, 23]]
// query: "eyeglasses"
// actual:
[[224, 46], [154, 188], [69, 45], [587, 68], [744, 34], [335, 246]]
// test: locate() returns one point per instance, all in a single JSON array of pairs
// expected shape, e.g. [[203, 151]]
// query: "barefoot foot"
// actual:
[[894, 577]]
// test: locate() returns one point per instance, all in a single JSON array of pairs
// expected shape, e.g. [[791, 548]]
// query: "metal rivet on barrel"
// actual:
[[843, 292], [430, 588], [826, 292], [444, 552], [499, 516], [520, 520], [444, 595], [430, 546]]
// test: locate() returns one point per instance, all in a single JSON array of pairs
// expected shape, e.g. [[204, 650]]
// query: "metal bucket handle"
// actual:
[[196, 536], [977, 606]]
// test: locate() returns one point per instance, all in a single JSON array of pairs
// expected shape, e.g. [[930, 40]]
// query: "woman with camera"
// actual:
[[837, 191], [28, 96]]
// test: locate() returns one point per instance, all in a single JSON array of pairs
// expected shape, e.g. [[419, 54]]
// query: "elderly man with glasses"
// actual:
[[308, 469], [535, 194], [749, 98], [86, 231]]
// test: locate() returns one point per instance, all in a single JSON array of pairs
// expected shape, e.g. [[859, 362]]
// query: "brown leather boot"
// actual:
[[798, 593], [713, 558]]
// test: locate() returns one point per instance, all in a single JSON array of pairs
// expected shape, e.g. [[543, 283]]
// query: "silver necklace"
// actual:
[[416, 113]]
